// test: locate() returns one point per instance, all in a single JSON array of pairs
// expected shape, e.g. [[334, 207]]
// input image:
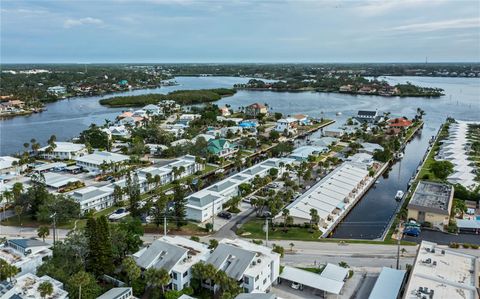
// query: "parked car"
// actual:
[[225, 215], [296, 286], [412, 231]]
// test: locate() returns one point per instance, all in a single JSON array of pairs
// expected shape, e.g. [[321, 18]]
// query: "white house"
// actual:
[[369, 148], [25, 254], [93, 198], [6, 164], [56, 90], [255, 267], [288, 125], [93, 162], [152, 109], [63, 151], [176, 255], [26, 287], [362, 160], [118, 293]]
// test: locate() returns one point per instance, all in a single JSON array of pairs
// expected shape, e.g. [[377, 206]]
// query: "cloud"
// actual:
[[440, 25], [69, 23], [377, 7]]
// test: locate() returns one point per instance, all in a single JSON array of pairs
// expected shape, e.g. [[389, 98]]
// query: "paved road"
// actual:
[[8, 214], [366, 286], [228, 230], [443, 238]]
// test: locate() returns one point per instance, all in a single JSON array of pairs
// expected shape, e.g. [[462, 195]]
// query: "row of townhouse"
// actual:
[[254, 267], [203, 204], [99, 198]]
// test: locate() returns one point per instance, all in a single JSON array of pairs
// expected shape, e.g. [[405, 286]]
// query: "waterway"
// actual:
[[371, 215]]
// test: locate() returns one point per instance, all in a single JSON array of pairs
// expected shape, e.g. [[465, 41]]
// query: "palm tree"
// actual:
[[291, 246], [45, 289], [314, 218], [18, 211], [157, 278], [43, 232], [285, 214]]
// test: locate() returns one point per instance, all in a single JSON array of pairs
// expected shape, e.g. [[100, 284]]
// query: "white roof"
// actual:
[[388, 284], [468, 223], [334, 272], [56, 180], [312, 280], [65, 147], [6, 161], [98, 158], [48, 166]]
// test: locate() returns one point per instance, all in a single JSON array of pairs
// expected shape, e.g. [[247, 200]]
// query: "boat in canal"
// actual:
[[398, 156], [399, 195]]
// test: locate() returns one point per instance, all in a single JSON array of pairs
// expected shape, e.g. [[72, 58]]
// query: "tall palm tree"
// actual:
[[285, 214], [45, 289]]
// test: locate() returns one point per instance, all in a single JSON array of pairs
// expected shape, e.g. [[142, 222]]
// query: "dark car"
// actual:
[[225, 215], [412, 231]]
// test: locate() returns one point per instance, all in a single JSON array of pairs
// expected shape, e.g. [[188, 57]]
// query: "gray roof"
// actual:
[[222, 186], [231, 259], [115, 293], [388, 284], [256, 296], [432, 197], [367, 113], [26, 243], [161, 255], [201, 201]]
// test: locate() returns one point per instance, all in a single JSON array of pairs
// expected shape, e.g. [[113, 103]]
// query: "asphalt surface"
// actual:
[[444, 238]]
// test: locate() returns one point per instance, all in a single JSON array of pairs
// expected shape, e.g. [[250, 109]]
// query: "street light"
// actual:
[[54, 217]]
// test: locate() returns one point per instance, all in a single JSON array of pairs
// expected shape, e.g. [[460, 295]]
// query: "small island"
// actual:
[[344, 84], [183, 97]]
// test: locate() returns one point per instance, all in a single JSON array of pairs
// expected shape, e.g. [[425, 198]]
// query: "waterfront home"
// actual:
[[346, 88], [7, 165], [362, 160], [57, 90], [302, 153], [431, 203], [222, 147], [118, 293], [95, 162], [132, 121], [302, 119], [152, 110], [254, 267], [25, 254], [334, 133], [324, 141], [125, 114], [11, 106], [176, 255], [368, 116], [396, 125], [330, 197], [286, 125], [369, 148], [440, 272], [202, 205], [256, 109], [27, 286], [118, 131], [62, 151], [224, 111]]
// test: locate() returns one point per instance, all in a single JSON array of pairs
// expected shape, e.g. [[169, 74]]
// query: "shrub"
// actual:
[[258, 242], [426, 176], [474, 246], [195, 238], [465, 245], [453, 245]]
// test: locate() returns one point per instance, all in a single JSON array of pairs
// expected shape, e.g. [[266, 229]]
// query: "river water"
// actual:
[[371, 215]]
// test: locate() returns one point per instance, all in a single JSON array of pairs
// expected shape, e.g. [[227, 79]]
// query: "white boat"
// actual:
[[118, 214], [399, 194], [339, 113], [398, 155]]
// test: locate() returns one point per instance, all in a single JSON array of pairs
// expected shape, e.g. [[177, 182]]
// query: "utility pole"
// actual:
[[266, 231], [165, 220], [54, 216], [213, 215]]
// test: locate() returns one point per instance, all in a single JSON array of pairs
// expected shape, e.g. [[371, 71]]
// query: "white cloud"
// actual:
[[440, 25], [82, 21], [377, 7]]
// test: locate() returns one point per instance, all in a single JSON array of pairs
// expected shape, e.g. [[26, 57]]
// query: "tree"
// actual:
[[83, 285], [179, 209], [441, 169], [17, 190], [126, 237], [314, 218], [95, 137], [43, 231], [117, 194], [129, 266], [285, 214], [45, 289], [278, 249], [7, 271], [157, 278], [343, 264], [213, 243], [100, 253], [18, 211], [291, 246]]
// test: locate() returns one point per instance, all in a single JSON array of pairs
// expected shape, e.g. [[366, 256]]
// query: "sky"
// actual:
[[85, 31]]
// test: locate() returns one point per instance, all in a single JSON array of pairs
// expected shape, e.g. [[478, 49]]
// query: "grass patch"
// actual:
[[190, 229]]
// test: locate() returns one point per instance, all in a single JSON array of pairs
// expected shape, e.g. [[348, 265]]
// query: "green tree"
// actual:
[[213, 243], [7, 271], [83, 285], [43, 231], [17, 190], [45, 289], [179, 209], [314, 218], [441, 169], [131, 269], [156, 278]]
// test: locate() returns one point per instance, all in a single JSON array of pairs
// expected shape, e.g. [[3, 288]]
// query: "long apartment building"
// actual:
[[209, 201]]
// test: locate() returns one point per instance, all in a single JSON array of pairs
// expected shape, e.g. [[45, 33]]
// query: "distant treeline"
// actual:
[[182, 97]]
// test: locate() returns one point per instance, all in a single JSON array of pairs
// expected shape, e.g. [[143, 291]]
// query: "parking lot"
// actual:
[[443, 238]]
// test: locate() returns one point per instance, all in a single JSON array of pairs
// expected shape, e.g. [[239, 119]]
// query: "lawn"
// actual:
[[190, 229], [254, 230]]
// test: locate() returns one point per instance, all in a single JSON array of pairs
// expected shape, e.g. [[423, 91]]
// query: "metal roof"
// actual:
[[231, 259], [115, 293], [26, 243], [388, 284], [312, 280], [161, 255]]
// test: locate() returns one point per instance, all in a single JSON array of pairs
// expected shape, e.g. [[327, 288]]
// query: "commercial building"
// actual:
[[331, 197], [255, 267], [388, 284], [431, 203], [25, 254], [203, 204], [26, 287], [443, 273], [93, 198], [63, 151], [176, 255], [93, 162]]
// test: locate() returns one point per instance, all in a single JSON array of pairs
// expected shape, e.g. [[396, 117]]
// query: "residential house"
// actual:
[[118, 293], [176, 255], [361, 160], [27, 285], [286, 125], [57, 90], [93, 198], [152, 110], [396, 125], [63, 151], [156, 149], [25, 254], [302, 119], [93, 162], [368, 116], [302, 153], [255, 110], [255, 267], [221, 147], [185, 119], [7, 164], [369, 148], [334, 133], [224, 111]]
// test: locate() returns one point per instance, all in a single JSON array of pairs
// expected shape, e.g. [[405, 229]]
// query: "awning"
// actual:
[[312, 280]]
